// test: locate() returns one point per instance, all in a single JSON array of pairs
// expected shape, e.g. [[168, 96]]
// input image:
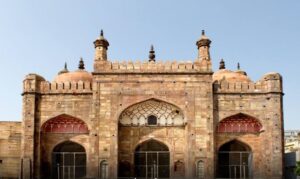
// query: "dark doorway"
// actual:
[[152, 160], [234, 160], [68, 161]]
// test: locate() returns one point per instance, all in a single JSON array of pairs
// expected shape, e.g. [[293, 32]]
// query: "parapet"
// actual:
[[152, 67], [269, 83], [34, 83]]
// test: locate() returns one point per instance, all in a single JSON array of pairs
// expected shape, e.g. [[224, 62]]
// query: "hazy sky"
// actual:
[[40, 36]]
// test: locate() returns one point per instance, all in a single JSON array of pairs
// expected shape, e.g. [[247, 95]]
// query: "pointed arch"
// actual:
[[239, 123], [234, 160], [152, 145], [69, 157], [68, 146], [166, 113], [65, 124], [244, 146]]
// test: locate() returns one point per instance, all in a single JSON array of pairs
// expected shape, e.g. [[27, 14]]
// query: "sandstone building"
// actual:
[[150, 119]]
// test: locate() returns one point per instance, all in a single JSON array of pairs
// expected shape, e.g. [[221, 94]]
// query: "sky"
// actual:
[[40, 36]]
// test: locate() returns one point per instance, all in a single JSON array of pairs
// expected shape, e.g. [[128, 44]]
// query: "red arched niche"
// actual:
[[239, 123], [65, 124]]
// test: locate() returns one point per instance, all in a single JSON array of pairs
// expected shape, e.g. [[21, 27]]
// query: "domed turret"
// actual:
[[79, 75], [230, 76]]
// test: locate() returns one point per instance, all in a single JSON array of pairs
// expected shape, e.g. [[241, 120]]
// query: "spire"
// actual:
[[65, 70], [203, 32], [222, 64], [101, 33], [151, 54], [239, 70], [81, 64]]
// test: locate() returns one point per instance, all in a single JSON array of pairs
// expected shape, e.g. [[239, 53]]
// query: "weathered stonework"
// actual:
[[116, 86]]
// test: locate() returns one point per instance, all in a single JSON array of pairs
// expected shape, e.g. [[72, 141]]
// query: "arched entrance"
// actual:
[[68, 161], [234, 160], [152, 160]]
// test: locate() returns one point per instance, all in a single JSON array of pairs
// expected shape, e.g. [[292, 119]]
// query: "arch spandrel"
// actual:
[[239, 123], [65, 124], [137, 114]]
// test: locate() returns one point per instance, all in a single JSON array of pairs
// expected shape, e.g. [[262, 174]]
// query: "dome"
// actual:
[[231, 76], [79, 75]]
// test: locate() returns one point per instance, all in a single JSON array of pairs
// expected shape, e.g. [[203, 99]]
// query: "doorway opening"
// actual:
[[68, 161], [234, 160], [152, 160]]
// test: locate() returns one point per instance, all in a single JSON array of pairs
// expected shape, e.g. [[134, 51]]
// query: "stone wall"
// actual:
[[10, 145], [263, 101], [192, 93]]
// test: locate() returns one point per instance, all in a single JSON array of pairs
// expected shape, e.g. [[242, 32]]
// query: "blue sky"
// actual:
[[39, 36]]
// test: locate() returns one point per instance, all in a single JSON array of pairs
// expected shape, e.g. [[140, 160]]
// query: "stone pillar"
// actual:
[[31, 86]]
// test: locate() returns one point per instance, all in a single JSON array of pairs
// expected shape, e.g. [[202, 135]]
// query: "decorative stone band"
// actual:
[[155, 67]]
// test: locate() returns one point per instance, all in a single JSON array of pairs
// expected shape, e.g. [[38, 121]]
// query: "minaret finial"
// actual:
[[151, 54], [66, 67], [222, 64], [101, 33], [203, 32], [238, 66], [81, 64]]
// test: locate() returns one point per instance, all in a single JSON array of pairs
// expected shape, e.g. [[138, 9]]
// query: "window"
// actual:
[[152, 120], [104, 169], [200, 169]]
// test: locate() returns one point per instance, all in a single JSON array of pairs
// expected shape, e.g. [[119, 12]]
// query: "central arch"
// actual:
[[152, 160], [68, 160]]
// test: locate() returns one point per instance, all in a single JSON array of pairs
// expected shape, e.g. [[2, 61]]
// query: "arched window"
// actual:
[[152, 120], [200, 169], [103, 169]]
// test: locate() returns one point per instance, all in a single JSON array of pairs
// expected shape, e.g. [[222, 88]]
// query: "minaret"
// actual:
[[203, 45], [152, 54], [101, 45]]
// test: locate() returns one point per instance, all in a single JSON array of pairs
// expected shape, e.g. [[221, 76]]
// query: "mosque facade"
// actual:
[[150, 119]]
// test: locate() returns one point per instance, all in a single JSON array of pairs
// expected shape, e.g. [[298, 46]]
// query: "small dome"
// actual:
[[231, 76], [79, 75]]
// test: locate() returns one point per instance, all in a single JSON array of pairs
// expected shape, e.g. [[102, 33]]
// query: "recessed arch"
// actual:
[[239, 123], [65, 124], [152, 159], [234, 160], [68, 159], [166, 113]]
